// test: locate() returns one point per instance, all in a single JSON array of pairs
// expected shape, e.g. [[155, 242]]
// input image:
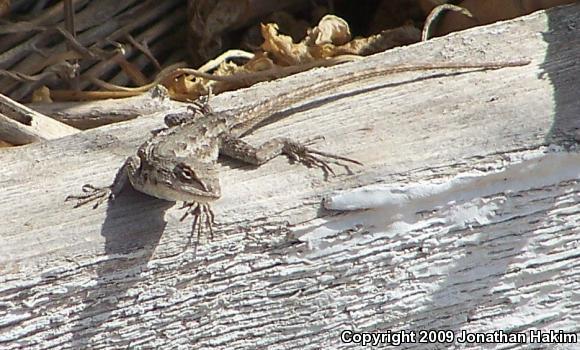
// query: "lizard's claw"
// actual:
[[199, 211], [308, 156], [99, 195]]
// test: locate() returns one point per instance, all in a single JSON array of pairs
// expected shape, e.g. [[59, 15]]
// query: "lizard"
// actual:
[[179, 162]]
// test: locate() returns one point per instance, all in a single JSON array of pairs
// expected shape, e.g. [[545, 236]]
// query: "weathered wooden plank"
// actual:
[[87, 115], [494, 251], [20, 125]]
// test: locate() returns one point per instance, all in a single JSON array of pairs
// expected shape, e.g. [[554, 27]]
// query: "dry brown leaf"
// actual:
[[182, 85], [385, 40], [260, 62], [229, 68], [42, 94], [331, 38], [282, 48], [189, 87], [211, 21], [326, 44], [320, 42], [330, 30]]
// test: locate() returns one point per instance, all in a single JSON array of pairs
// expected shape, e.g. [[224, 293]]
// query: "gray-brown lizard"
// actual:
[[179, 163]]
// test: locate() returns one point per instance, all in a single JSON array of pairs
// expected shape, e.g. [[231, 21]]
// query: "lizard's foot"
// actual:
[[311, 157], [199, 211], [92, 194]]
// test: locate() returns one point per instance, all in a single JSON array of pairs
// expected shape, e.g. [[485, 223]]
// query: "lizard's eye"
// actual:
[[185, 173]]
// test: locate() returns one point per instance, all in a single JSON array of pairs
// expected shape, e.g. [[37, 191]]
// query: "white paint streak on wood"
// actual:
[[282, 272]]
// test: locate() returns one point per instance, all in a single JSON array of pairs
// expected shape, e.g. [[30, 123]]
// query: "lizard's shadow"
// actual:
[[132, 230], [330, 97]]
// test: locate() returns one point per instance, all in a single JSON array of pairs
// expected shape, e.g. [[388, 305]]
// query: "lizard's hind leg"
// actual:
[[239, 149]]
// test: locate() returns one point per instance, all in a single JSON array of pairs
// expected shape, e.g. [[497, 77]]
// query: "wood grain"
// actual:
[[20, 125]]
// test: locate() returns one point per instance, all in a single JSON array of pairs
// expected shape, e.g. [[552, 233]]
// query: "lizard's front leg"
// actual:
[[199, 211], [99, 195], [239, 149]]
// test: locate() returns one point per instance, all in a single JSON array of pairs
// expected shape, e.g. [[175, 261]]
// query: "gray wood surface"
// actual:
[[500, 250], [20, 125], [92, 114]]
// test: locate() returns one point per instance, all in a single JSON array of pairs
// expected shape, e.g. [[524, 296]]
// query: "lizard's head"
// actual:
[[190, 181]]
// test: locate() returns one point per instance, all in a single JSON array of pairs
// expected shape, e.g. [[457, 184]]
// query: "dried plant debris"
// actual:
[[211, 23], [80, 50], [330, 32], [328, 43], [121, 49], [116, 41], [331, 38]]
